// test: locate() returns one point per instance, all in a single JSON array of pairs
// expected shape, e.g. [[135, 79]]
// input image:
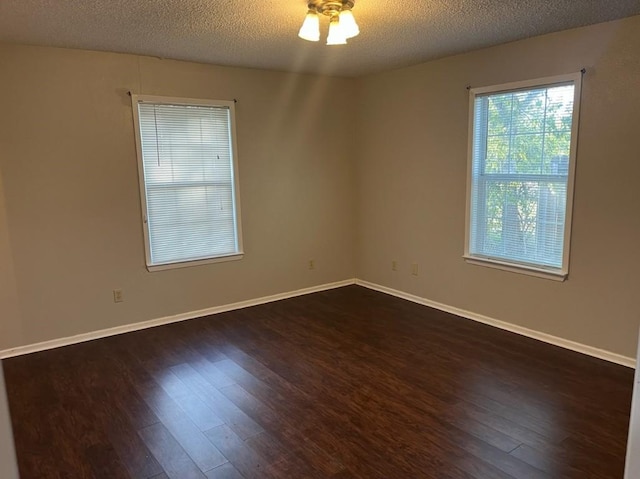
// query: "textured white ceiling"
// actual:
[[263, 33]]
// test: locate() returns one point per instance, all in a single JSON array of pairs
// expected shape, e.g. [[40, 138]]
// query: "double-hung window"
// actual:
[[188, 180], [522, 154]]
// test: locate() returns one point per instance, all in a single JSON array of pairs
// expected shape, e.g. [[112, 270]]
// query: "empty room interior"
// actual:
[[327, 239]]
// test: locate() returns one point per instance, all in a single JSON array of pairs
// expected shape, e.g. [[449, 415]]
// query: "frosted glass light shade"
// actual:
[[348, 24], [336, 35], [310, 29]]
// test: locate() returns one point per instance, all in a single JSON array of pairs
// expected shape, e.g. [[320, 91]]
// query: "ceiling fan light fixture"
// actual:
[[336, 34], [310, 29], [348, 24], [342, 24]]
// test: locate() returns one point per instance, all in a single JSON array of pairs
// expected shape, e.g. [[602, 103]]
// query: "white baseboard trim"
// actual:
[[103, 333], [530, 333]]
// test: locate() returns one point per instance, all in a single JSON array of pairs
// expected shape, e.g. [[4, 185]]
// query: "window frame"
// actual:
[[557, 274], [136, 99]]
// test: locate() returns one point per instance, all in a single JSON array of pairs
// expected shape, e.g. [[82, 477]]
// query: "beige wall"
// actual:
[[411, 176], [10, 321], [71, 187]]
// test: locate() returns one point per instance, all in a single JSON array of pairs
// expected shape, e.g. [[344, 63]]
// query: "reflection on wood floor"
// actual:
[[347, 383]]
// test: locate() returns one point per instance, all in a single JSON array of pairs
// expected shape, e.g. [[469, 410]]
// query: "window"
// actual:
[[522, 150], [188, 180]]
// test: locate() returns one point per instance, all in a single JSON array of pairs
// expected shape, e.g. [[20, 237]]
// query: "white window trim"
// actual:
[[532, 270], [135, 100]]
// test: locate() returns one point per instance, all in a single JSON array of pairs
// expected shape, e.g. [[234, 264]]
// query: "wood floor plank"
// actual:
[[268, 447], [250, 464], [226, 471], [559, 461], [201, 413], [132, 451], [285, 429], [237, 420], [175, 461], [211, 373], [188, 435], [104, 461]]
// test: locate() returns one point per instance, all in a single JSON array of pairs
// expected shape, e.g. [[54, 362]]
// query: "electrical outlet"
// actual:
[[312, 264], [414, 269], [394, 266], [117, 296]]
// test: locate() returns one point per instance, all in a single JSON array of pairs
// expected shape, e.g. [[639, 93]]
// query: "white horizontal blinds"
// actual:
[[520, 167], [188, 174]]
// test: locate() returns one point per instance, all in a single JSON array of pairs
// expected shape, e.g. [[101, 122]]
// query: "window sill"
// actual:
[[198, 262], [516, 268]]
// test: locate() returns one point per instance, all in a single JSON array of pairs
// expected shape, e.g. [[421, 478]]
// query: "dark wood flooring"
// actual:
[[347, 383]]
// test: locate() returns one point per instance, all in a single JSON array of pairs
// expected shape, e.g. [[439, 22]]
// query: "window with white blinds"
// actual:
[[188, 180], [522, 161]]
